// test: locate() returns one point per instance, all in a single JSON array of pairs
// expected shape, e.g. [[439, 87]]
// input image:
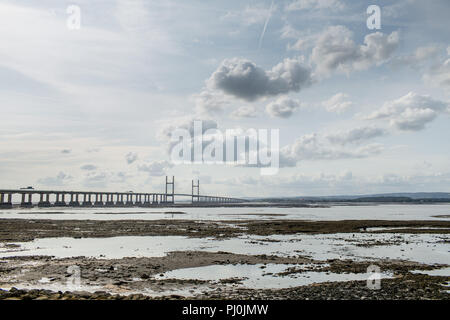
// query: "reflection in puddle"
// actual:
[[422, 248], [261, 276]]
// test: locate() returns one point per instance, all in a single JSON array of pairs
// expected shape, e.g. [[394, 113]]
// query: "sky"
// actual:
[[91, 91]]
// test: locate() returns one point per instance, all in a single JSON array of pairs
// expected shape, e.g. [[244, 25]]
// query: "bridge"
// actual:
[[59, 198]]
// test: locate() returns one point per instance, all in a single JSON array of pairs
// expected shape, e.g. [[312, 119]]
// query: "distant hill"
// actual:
[[384, 197]]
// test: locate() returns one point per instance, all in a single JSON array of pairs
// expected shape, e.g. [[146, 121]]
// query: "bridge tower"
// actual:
[[198, 191], [172, 194]]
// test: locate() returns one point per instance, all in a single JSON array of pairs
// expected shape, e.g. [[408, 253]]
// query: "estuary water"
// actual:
[[335, 212]]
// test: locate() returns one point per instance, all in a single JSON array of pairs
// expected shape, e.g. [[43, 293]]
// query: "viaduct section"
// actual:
[[108, 199]]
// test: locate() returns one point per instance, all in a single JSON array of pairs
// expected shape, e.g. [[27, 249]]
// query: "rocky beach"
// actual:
[[247, 255]]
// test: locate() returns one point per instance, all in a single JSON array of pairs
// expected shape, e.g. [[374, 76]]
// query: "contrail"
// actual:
[[265, 26]]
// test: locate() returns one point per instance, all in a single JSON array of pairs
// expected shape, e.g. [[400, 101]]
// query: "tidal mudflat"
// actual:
[[223, 253]]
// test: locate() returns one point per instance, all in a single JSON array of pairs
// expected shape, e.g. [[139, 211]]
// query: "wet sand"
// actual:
[[141, 277], [29, 229]]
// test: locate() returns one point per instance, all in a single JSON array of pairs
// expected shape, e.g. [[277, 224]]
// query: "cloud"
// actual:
[[131, 157], [287, 160], [415, 60], [356, 135], [243, 79], [93, 150], [255, 14], [88, 167], [337, 103], [209, 102], [342, 183], [314, 147], [60, 180], [411, 112], [101, 179], [414, 119], [66, 151], [288, 32], [168, 129], [99, 52], [120, 177], [245, 112], [439, 73], [335, 50], [314, 4], [95, 179], [283, 107], [187, 123], [156, 168]]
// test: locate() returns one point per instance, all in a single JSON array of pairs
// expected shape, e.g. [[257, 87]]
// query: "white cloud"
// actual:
[[411, 112], [439, 73], [255, 14], [344, 183], [131, 157], [243, 79], [96, 179], [336, 50], [283, 107], [102, 179], [419, 57], [356, 135], [60, 180], [414, 119], [209, 102], [314, 4], [187, 123], [156, 168], [337, 103], [288, 32], [168, 128], [88, 167], [245, 112], [315, 147]]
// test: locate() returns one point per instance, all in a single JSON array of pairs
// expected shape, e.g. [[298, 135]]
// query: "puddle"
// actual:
[[422, 248], [261, 276], [48, 284], [444, 272]]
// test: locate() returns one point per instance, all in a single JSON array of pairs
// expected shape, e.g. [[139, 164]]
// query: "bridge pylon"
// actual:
[[197, 186], [172, 194]]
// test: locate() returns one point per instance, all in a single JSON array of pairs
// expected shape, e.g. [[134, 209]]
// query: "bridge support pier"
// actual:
[[129, 202], [119, 202], [98, 200], [138, 200], [86, 200], [60, 203], [5, 204], [74, 200], [44, 203], [109, 200], [25, 203], [146, 200]]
